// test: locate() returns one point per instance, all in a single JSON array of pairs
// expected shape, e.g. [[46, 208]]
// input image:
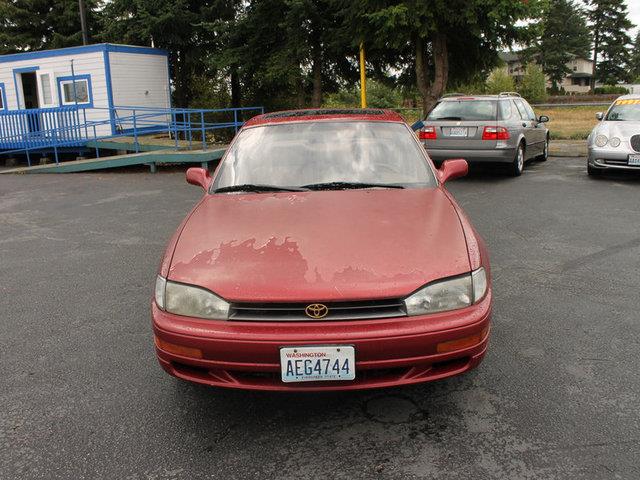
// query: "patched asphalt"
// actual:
[[81, 394]]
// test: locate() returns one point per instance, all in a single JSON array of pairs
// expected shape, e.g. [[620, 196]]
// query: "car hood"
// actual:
[[622, 130], [320, 246]]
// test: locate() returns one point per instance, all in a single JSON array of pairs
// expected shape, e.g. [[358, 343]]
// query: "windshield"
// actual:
[[308, 153], [464, 110], [624, 110]]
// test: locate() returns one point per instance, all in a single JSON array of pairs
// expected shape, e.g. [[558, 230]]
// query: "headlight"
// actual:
[[450, 294], [601, 140], [161, 283], [614, 141], [190, 301]]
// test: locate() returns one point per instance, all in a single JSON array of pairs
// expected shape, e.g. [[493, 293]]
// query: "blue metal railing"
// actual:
[[25, 131]]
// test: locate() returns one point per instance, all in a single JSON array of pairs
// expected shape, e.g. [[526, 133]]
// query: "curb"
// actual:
[[568, 148]]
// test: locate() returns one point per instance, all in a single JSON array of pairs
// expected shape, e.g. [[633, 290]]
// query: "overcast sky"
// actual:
[[634, 12]]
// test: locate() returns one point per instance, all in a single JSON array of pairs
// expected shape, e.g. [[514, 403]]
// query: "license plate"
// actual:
[[634, 160], [458, 132], [318, 363]]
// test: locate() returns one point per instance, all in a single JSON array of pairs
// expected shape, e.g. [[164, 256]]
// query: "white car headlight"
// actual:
[[190, 301], [161, 284], [614, 141], [601, 140], [448, 294]]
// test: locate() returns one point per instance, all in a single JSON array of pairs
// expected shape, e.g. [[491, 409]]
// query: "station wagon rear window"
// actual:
[[469, 110]]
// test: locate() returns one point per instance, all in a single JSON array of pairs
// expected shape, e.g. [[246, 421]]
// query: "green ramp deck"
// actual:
[[152, 158]]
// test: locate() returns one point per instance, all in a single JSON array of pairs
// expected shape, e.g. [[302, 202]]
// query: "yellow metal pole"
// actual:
[[363, 79]]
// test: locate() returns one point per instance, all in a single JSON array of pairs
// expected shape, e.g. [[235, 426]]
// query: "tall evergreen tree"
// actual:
[[634, 61], [42, 24], [176, 25], [609, 24], [564, 35], [287, 52]]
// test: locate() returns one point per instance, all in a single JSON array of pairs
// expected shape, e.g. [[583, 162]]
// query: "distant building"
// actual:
[[577, 81]]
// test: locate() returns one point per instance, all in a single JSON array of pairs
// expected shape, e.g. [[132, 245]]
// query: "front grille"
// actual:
[[635, 143], [295, 312]]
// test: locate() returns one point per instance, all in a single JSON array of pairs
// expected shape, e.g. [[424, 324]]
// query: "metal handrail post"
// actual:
[[135, 132], [204, 138]]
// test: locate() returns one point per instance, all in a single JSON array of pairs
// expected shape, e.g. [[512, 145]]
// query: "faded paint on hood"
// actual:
[[320, 246]]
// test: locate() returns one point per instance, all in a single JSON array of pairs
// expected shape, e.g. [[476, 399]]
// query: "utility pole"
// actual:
[[363, 78], [83, 22]]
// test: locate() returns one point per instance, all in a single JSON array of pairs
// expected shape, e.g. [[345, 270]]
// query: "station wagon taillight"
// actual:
[[495, 133], [428, 133]]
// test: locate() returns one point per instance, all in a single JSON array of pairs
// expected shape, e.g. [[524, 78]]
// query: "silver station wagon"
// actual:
[[486, 129]]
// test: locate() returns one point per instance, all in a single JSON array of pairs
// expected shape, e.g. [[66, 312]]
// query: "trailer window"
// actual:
[[79, 94], [2, 97]]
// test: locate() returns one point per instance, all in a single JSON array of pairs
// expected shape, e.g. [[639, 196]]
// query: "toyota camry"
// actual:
[[324, 254]]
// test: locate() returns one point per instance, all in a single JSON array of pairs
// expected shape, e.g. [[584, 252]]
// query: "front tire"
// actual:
[[517, 166], [593, 172]]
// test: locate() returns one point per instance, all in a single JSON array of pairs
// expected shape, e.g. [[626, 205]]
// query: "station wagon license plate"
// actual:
[[634, 160], [458, 132], [318, 363]]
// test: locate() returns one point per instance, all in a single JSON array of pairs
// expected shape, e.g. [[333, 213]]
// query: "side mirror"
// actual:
[[451, 169], [199, 176], [599, 115], [543, 119]]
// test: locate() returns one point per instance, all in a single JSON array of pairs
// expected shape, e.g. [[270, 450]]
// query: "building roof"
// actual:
[[97, 47], [308, 115], [580, 75]]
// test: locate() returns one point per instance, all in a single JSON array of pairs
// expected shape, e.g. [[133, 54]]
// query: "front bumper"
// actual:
[[389, 352], [610, 159], [493, 155]]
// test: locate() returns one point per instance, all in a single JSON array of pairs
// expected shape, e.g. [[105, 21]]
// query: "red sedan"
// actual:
[[325, 254]]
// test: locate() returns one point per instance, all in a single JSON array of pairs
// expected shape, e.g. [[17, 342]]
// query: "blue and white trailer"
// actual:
[[61, 92]]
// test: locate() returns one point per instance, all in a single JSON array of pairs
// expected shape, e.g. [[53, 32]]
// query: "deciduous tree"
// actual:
[[437, 38]]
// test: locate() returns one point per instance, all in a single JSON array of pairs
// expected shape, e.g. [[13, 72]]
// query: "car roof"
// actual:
[[460, 96], [315, 114]]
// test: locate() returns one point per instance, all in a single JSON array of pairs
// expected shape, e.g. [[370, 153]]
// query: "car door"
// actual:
[[534, 136]]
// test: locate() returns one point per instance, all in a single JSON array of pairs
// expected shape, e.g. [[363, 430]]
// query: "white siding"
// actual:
[[91, 63], [140, 80]]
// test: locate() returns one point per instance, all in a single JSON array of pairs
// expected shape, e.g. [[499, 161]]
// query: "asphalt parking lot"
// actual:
[[81, 395]]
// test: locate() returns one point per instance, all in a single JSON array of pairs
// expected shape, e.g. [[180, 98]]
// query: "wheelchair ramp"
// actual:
[[152, 158]]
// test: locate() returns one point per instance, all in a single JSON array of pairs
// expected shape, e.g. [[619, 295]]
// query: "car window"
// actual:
[[624, 110], [303, 153], [525, 113], [530, 112], [505, 109], [464, 109]]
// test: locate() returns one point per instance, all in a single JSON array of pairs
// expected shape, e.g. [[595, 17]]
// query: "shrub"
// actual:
[[610, 90], [379, 95], [533, 86], [498, 81]]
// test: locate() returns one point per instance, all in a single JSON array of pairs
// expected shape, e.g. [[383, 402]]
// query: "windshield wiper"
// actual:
[[251, 187], [349, 185]]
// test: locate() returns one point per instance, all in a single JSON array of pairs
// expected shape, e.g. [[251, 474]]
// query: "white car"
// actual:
[[614, 144]]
